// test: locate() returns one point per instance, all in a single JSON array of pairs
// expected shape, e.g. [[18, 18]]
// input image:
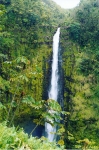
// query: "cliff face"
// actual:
[[80, 53], [25, 64]]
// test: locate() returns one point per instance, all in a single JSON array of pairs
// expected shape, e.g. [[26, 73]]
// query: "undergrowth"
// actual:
[[13, 139]]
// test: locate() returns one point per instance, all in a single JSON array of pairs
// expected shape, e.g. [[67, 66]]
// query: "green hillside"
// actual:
[[26, 33]]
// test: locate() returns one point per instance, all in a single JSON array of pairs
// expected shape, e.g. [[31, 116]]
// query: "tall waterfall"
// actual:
[[53, 92]]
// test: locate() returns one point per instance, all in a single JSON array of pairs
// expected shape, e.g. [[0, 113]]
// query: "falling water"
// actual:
[[53, 92]]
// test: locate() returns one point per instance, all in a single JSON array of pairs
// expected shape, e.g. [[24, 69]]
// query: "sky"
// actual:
[[67, 3]]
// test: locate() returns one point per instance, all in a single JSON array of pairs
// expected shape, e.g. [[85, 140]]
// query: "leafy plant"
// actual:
[[11, 138]]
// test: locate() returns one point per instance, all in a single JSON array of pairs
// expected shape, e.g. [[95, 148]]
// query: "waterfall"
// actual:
[[53, 92]]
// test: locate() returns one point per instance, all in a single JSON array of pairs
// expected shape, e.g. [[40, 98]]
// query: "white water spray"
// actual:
[[53, 92]]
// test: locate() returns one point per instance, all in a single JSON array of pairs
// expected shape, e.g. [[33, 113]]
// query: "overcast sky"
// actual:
[[67, 3]]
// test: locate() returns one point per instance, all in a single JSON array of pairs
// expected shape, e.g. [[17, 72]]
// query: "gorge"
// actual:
[[27, 28]]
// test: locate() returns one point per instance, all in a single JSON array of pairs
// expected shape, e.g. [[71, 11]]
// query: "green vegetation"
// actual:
[[11, 138], [26, 31], [80, 44]]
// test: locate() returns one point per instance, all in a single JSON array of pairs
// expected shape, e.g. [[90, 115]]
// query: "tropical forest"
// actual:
[[30, 117]]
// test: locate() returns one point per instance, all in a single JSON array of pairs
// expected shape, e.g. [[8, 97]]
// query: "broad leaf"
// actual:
[[54, 105]]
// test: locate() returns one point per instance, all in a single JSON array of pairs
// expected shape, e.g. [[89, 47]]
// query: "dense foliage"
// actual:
[[26, 31], [12, 138], [81, 74]]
